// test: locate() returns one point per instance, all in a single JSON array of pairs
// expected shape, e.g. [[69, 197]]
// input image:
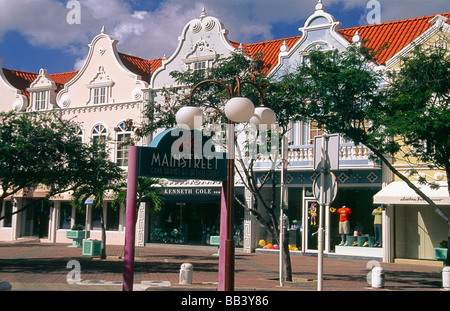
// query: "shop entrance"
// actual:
[[185, 223], [37, 217]]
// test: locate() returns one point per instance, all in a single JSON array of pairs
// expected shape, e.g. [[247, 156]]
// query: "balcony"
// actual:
[[351, 156]]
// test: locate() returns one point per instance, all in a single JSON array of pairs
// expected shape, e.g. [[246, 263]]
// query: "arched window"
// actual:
[[123, 136], [99, 134]]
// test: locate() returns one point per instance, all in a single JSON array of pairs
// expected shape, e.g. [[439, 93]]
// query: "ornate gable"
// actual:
[[201, 42], [319, 32]]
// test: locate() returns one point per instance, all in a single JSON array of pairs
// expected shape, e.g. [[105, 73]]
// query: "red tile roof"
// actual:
[[137, 65], [155, 64], [21, 80], [397, 35], [268, 49], [63, 77]]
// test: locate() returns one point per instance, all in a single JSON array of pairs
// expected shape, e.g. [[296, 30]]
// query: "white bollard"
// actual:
[[378, 277], [186, 273], [446, 277], [5, 286]]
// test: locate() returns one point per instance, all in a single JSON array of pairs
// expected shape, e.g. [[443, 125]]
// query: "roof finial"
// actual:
[[320, 6], [103, 30], [203, 15]]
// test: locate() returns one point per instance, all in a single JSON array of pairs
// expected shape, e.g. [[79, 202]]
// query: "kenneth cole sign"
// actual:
[[182, 154]]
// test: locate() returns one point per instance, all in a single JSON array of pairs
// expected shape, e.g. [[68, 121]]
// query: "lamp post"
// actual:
[[237, 109]]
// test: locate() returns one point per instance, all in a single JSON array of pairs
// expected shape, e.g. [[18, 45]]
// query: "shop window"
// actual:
[[112, 218], [65, 215], [96, 220], [7, 222]]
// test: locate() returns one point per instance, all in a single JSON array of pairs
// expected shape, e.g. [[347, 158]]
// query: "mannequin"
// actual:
[[377, 223], [344, 224]]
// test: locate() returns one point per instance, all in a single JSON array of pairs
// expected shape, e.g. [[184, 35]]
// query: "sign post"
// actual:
[[176, 154], [326, 158]]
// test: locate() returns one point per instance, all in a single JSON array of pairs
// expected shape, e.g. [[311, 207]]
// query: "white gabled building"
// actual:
[[113, 87]]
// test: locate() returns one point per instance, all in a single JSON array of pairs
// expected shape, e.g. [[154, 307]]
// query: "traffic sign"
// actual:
[[330, 188], [331, 152]]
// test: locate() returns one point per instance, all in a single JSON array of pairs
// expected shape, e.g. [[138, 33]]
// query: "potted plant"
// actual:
[[77, 233]]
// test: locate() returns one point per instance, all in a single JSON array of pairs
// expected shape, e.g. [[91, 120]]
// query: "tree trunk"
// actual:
[[103, 248]]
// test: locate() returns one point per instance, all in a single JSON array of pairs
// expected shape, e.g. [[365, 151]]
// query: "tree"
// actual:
[[148, 190], [342, 92], [38, 149], [211, 97], [100, 175]]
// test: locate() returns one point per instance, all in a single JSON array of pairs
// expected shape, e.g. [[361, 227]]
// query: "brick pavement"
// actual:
[[30, 266]]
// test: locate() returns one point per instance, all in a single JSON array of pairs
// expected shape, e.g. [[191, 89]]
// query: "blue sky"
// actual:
[[35, 34]]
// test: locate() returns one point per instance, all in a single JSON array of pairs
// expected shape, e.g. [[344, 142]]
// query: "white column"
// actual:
[[249, 225], [140, 228]]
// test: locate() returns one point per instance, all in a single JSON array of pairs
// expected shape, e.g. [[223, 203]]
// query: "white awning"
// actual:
[[398, 192]]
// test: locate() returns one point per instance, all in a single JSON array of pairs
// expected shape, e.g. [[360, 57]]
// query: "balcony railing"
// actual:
[[350, 156]]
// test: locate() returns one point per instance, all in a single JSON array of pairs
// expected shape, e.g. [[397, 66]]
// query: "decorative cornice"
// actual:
[[100, 108]]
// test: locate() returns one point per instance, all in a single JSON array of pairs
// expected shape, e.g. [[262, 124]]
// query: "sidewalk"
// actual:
[[34, 266]]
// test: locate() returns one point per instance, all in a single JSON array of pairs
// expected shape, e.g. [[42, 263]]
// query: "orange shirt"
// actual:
[[344, 213]]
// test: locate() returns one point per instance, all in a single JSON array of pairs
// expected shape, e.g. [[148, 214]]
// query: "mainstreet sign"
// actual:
[[182, 154]]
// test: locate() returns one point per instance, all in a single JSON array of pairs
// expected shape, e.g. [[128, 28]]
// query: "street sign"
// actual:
[[331, 145], [330, 188]]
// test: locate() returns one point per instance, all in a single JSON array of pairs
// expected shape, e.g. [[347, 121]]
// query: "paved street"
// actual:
[[34, 266]]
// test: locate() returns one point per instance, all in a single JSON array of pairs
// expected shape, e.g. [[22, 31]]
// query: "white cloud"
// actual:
[[153, 33]]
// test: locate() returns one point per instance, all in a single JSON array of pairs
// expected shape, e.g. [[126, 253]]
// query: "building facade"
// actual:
[[113, 87]]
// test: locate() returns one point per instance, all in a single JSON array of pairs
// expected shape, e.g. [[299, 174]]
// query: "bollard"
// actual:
[[378, 277], [5, 286], [186, 273], [446, 277]]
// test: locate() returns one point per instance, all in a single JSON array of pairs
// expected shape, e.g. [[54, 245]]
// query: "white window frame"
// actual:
[[40, 100], [121, 131], [99, 94], [101, 132]]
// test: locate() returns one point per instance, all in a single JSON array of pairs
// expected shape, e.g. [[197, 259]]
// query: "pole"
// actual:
[[229, 243], [130, 223], [282, 199], [321, 210]]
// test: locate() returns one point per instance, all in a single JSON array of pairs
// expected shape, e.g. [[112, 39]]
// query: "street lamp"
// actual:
[[237, 109]]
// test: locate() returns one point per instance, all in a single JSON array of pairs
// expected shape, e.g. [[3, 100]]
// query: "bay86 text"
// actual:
[[244, 300]]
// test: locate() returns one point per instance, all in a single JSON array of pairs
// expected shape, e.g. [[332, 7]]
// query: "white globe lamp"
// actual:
[[239, 109], [189, 117], [263, 118]]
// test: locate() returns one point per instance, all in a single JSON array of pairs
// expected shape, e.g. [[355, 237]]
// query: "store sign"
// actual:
[[182, 154], [191, 194]]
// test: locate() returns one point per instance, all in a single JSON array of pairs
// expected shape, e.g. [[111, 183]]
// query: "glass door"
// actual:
[[312, 224]]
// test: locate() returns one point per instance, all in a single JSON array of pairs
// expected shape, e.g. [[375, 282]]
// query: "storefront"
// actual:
[[418, 228], [356, 191], [191, 215]]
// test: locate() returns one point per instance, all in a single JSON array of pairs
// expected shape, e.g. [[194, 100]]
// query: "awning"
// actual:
[[398, 192]]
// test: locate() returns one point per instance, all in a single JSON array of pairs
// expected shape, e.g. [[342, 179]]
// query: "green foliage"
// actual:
[[38, 149], [417, 106], [100, 175], [148, 190], [212, 97], [339, 91]]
